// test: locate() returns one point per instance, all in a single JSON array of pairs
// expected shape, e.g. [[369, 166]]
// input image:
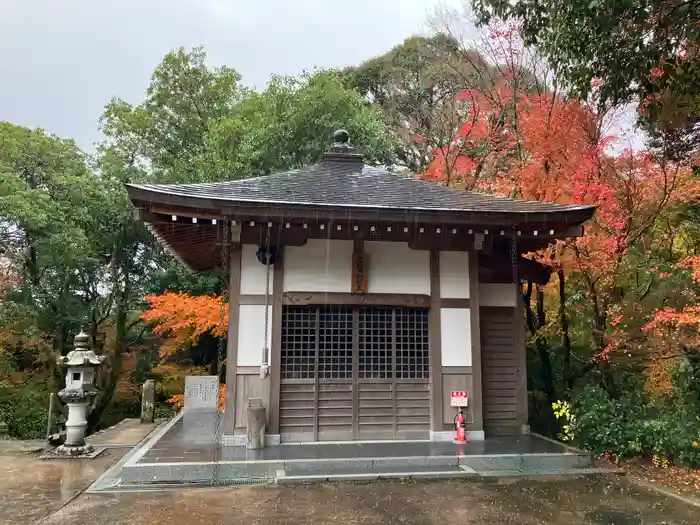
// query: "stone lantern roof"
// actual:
[[82, 355]]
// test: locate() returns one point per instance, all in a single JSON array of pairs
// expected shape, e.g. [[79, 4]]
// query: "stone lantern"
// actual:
[[81, 368]]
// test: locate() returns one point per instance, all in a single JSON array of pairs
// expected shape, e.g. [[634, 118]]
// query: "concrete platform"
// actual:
[[188, 451]]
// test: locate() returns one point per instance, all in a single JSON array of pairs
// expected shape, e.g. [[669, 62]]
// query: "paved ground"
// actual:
[[128, 432], [190, 439], [31, 488], [589, 501], [34, 491]]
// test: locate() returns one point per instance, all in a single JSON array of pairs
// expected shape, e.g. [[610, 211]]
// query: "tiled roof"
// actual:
[[348, 183]]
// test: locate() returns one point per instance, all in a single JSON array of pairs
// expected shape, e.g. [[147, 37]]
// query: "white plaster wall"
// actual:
[[251, 327], [253, 273], [318, 266], [393, 267], [456, 337], [497, 294], [454, 275]]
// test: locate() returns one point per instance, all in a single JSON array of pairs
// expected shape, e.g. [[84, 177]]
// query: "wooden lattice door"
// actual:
[[357, 373]]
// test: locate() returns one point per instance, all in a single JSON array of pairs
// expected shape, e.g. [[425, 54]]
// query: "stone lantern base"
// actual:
[[67, 452], [74, 451]]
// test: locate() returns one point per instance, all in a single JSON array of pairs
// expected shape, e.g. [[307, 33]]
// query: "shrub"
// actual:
[[633, 425], [609, 425], [25, 410], [164, 412], [126, 404]]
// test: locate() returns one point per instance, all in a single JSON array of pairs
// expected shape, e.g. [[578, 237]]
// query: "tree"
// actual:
[[534, 143], [645, 51], [74, 252], [48, 198], [415, 86], [167, 131], [290, 124], [199, 124], [184, 318]]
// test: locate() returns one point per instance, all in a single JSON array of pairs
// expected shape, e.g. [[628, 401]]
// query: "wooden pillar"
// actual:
[[234, 290], [521, 353], [435, 345], [476, 396], [276, 343]]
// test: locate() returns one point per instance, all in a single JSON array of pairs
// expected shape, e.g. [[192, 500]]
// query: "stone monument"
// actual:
[[201, 392], [148, 401], [81, 367]]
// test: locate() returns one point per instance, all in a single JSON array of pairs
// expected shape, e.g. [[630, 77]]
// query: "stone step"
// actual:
[[283, 478], [587, 471], [462, 472], [522, 464], [359, 465], [527, 462]]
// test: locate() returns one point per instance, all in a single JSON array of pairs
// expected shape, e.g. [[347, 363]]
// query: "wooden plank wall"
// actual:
[[249, 384], [500, 360], [457, 378]]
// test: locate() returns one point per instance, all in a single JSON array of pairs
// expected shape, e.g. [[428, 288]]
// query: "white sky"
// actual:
[[63, 60]]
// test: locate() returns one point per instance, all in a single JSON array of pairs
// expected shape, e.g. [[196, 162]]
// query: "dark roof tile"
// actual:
[[343, 183]]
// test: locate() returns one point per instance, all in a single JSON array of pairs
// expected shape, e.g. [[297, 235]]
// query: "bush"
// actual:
[[633, 425], [25, 410], [164, 412], [124, 405], [608, 425]]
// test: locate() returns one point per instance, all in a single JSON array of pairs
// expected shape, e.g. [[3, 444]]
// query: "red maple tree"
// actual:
[[537, 144]]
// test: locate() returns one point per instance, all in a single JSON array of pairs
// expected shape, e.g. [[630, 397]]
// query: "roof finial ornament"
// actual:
[[81, 340], [341, 138], [341, 149]]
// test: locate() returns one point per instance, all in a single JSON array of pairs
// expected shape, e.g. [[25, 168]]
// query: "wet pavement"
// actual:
[[128, 432], [192, 439], [32, 488], [51, 492], [557, 501]]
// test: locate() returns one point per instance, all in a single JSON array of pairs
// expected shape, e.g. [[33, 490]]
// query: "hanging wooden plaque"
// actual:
[[359, 273]]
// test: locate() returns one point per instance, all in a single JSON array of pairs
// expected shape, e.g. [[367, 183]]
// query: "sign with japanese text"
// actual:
[[359, 273], [459, 398], [201, 392]]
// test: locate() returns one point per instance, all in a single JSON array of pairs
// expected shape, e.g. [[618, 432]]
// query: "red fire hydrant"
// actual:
[[460, 427]]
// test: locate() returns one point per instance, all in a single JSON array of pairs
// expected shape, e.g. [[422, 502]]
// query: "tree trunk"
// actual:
[[564, 327], [116, 365]]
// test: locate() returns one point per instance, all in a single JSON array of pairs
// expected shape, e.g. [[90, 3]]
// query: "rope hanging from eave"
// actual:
[[264, 362]]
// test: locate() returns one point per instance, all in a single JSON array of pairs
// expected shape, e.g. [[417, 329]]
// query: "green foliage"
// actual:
[[633, 425], [640, 50], [50, 206], [167, 130], [609, 425], [25, 409], [610, 40], [416, 85], [198, 124], [164, 411], [290, 124]]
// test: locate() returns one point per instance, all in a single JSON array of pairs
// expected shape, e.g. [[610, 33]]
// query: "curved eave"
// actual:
[[567, 214]]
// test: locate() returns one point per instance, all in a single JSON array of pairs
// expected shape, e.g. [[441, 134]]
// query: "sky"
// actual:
[[63, 60]]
